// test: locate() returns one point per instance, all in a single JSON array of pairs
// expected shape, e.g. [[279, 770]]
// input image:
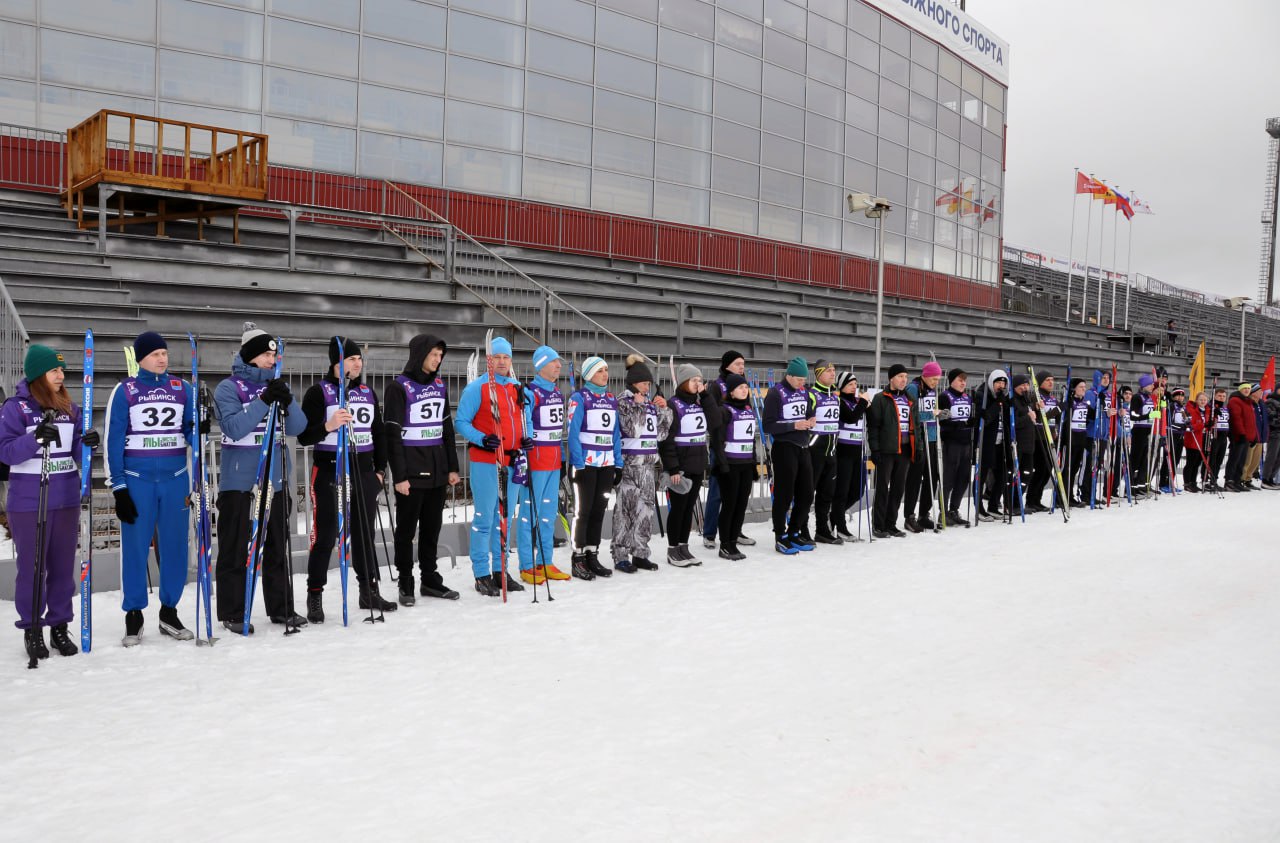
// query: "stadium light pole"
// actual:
[[1239, 302], [875, 208]]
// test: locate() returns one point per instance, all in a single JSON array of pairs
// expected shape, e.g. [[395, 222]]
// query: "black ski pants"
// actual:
[[824, 482], [419, 513], [591, 485], [849, 483], [1080, 466], [680, 517], [1240, 447], [792, 487], [995, 479], [735, 493], [957, 471], [920, 492], [891, 479], [1217, 453], [234, 515], [324, 525], [1191, 472], [1139, 449]]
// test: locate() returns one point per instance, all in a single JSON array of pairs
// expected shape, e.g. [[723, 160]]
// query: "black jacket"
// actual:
[[850, 412], [313, 409], [424, 468], [882, 426], [689, 459], [956, 431], [1026, 424]]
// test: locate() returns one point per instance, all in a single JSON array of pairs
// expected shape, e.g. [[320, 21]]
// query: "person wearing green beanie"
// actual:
[[788, 418], [798, 367], [42, 415]]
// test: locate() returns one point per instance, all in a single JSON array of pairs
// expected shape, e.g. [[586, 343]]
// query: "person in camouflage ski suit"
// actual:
[[644, 423]]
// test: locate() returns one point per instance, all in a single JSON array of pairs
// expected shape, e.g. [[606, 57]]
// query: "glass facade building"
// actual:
[[751, 116]]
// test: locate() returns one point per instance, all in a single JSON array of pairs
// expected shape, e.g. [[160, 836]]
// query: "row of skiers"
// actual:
[[821, 446]]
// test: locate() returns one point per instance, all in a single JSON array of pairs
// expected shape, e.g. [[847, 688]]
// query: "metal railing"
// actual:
[[14, 340], [32, 158]]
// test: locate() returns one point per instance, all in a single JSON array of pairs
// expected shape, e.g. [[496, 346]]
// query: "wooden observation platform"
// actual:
[[148, 170]]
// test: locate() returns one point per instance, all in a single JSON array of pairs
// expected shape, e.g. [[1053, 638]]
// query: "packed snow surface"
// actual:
[[1114, 678]]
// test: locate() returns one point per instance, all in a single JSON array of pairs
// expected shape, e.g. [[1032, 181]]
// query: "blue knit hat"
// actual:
[[542, 356], [500, 345], [147, 342]]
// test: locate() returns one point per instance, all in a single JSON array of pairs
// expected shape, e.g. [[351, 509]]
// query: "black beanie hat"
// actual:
[[732, 382], [728, 357], [956, 373], [254, 341], [1020, 380], [349, 348], [147, 342], [637, 371], [1071, 387], [897, 369], [1041, 377]]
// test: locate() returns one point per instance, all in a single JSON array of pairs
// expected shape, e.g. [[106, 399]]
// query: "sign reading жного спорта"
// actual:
[[944, 22]]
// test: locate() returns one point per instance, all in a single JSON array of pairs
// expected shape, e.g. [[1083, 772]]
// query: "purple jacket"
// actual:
[[18, 450]]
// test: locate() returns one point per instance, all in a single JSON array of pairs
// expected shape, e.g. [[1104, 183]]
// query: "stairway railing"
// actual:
[[14, 340]]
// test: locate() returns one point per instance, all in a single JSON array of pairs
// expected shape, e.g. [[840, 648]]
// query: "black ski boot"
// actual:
[[593, 565], [438, 590], [132, 628], [955, 519], [911, 524], [315, 606], [731, 552], [624, 565], [644, 563], [34, 640], [580, 569], [236, 626], [823, 536], [924, 522], [171, 626], [61, 641], [370, 598], [292, 619], [512, 585], [841, 531], [404, 585]]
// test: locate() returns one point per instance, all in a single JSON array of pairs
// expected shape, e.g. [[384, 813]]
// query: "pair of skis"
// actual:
[[262, 494], [1053, 451], [200, 496]]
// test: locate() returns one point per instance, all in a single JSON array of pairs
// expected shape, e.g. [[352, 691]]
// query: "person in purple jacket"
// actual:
[[42, 412]]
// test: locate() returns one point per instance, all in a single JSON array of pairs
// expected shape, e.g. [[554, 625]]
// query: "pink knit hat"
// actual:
[[931, 370]]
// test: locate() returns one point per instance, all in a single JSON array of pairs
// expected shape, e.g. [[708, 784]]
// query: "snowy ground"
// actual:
[[1111, 679]]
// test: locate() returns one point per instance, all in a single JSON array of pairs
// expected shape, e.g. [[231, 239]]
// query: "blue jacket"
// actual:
[[925, 416], [150, 469], [577, 458], [240, 465], [469, 405]]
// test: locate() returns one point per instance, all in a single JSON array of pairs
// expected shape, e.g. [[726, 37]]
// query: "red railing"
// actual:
[[534, 225]]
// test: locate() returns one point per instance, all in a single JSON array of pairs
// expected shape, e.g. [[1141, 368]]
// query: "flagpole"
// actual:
[[1102, 245], [1128, 279], [1071, 244], [1114, 224], [1088, 227]]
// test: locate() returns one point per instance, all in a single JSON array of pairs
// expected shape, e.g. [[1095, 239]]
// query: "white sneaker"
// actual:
[[709, 544], [746, 541]]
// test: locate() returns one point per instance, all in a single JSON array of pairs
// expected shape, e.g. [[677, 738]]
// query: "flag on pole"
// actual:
[[968, 206], [1139, 207], [950, 200], [1086, 184], [990, 212], [1123, 206], [1195, 381], [1268, 382], [1108, 195]]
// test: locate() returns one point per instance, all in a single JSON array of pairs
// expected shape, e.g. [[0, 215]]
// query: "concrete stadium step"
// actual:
[[23, 289]]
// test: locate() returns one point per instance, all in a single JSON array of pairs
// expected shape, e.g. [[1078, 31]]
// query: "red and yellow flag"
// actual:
[[1091, 186]]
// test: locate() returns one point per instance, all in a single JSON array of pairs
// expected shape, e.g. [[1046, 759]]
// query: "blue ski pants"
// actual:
[[486, 534], [546, 503], [162, 507]]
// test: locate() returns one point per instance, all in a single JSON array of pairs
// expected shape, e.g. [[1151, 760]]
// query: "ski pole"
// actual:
[[38, 564], [286, 523]]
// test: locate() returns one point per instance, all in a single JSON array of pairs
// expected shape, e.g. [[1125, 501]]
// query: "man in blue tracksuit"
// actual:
[[243, 401], [149, 426], [492, 440], [544, 410]]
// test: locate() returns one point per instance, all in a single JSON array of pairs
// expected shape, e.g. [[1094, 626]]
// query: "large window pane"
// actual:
[[860, 81], [859, 176], [970, 134], [509, 9], [680, 88], [134, 19], [781, 188], [895, 36], [619, 32], [993, 94], [826, 67], [822, 232], [859, 239], [992, 145], [825, 100], [569, 17], [211, 29], [561, 56], [949, 122], [686, 166], [486, 39], [482, 126], [923, 139], [737, 105], [894, 67], [491, 83], [406, 20], [784, 85], [622, 194], [647, 9], [17, 50], [949, 95], [554, 139], [559, 98], [859, 112], [684, 127], [624, 113], [893, 126], [481, 171], [784, 50], [402, 66], [863, 51], [342, 13], [784, 17], [623, 153], [677, 203], [729, 176], [85, 62], [692, 16], [864, 19], [19, 10], [924, 51], [210, 81], [401, 159], [920, 167], [308, 47], [784, 119], [401, 112], [892, 156], [923, 109], [824, 166], [860, 144], [62, 107], [780, 223], [949, 67], [735, 68], [560, 183], [823, 198], [923, 81], [679, 50], [919, 253], [732, 213], [753, 9], [781, 153], [823, 33], [312, 145], [740, 33], [893, 96], [823, 132], [736, 141], [220, 117], [624, 73], [291, 93], [894, 188]]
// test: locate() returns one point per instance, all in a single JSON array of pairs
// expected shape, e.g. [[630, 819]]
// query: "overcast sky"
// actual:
[[1166, 99]]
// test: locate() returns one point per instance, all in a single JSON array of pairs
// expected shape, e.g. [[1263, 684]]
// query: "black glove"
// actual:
[[491, 442], [721, 467], [617, 476], [277, 392], [92, 439], [526, 443], [205, 425], [125, 510], [46, 433]]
